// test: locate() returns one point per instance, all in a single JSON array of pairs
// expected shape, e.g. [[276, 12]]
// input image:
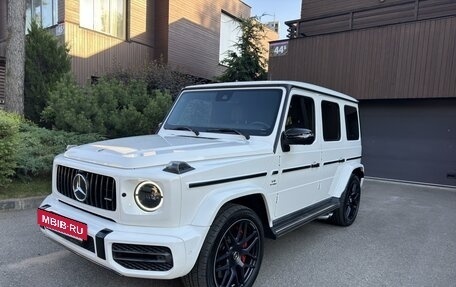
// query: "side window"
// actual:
[[301, 113], [351, 123], [331, 121]]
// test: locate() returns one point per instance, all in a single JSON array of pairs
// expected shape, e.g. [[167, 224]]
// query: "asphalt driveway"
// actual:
[[405, 235]]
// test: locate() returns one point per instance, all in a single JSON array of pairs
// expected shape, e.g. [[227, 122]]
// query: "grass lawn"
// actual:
[[19, 189]]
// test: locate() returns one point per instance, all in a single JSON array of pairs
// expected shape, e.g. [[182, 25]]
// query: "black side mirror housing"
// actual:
[[296, 136]]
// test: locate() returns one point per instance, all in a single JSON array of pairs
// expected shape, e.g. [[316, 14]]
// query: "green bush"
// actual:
[[111, 108], [46, 60], [9, 127], [37, 148], [158, 76]]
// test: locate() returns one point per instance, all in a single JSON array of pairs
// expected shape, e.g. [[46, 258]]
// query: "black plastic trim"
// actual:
[[353, 158], [275, 172], [99, 240], [315, 165], [298, 218], [178, 167], [225, 180], [87, 244], [334, 161], [87, 211]]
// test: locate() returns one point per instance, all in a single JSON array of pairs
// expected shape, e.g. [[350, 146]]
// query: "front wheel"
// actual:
[[346, 214], [232, 252]]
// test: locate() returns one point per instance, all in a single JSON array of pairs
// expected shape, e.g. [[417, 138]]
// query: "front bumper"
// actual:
[[143, 252]]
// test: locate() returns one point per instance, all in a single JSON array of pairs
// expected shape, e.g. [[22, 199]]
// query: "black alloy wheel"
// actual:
[[346, 214], [237, 254], [232, 251]]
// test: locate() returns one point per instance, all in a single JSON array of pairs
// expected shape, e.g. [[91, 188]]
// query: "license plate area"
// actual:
[[62, 224]]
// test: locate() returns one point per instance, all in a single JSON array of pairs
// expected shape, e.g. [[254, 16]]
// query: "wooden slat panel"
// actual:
[[142, 18], [95, 54], [71, 11], [384, 16], [315, 8], [436, 8], [325, 25], [411, 60], [194, 34]]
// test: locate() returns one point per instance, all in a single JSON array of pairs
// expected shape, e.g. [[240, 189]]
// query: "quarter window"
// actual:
[[106, 16], [351, 123], [331, 121]]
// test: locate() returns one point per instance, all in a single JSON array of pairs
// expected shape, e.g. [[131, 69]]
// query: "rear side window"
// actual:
[[331, 121], [351, 123]]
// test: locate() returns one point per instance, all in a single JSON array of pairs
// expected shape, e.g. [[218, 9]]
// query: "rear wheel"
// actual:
[[346, 214], [232, 252]]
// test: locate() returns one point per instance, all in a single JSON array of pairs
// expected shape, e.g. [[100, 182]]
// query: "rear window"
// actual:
[[351, 123], [331, 121]]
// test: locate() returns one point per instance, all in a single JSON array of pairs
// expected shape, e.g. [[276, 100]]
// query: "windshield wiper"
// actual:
[[185, 128], [227, 130]]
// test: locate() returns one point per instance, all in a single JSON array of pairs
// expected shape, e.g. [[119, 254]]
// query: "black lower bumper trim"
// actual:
[[99, 240]]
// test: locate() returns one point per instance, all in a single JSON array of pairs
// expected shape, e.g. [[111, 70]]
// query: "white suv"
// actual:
[[232, 163]]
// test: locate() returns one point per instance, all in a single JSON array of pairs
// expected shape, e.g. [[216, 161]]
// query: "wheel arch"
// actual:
[[342, 177], [252, 199]]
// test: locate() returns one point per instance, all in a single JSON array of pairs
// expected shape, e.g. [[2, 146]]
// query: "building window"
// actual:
[[44, 12], [230, 31], [105, 16], [331, 121]]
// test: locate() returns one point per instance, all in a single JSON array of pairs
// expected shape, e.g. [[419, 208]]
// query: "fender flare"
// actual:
[[343, 174], [218, 197]]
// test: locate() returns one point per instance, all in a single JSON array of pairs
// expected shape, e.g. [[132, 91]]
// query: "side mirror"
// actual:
[[296, 136]]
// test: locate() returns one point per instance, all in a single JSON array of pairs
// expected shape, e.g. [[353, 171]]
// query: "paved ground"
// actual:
[[404, 236]]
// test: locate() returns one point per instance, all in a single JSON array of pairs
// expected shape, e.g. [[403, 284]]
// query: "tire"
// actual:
[[232, 251], [346, 214]]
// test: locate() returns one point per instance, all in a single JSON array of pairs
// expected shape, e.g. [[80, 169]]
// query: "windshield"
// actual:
[[238, 111]]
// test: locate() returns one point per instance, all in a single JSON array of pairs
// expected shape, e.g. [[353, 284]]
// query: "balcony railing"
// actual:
[[379, 15]]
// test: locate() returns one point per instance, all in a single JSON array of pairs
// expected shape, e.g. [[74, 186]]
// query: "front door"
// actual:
[[299, 172]]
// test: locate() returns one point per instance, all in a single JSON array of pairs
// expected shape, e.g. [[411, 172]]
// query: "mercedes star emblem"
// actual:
[[80, 187]]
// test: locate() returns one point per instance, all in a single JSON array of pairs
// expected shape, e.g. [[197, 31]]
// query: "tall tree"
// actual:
[[46, 61], [15, 57], [247, 63]]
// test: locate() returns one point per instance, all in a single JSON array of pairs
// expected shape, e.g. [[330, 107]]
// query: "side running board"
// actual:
[[298, 218]]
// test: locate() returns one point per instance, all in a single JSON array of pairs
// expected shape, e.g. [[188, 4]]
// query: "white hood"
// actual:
[[153, 150]]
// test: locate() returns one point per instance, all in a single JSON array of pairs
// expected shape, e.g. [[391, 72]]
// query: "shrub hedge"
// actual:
[[9, 127], [27, 150], [37, 148], [111, 107]]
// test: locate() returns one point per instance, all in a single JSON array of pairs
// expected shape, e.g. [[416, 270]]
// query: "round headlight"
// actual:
[[148, 196]]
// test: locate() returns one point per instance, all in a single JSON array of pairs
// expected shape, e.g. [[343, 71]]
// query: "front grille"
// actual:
[[143, 257], [101, 191]]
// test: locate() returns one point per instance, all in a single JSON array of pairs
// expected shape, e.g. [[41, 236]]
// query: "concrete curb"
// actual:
[[21, 203]]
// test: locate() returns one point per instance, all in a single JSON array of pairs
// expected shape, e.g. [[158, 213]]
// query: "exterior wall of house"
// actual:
[[410, 60], [194, 34], [95, 54], [395, 56]]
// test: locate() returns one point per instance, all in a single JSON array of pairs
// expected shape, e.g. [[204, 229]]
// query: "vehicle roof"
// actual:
[[288, 84]]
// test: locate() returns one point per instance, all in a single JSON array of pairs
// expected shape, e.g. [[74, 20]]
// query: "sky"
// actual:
[[276, 10]]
